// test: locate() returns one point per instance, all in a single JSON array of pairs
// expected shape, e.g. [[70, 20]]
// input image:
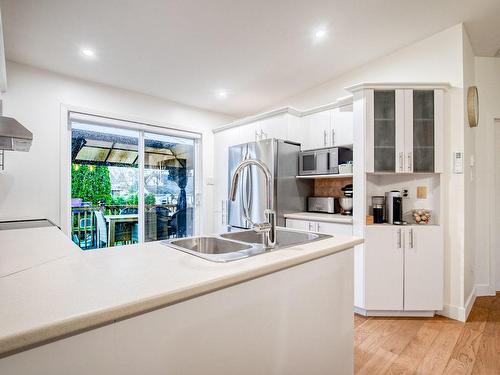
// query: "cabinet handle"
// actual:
[[401, 159], [411, 238], [333, 137], [324, 138], [399, 238], [410, 161], [256, 136]]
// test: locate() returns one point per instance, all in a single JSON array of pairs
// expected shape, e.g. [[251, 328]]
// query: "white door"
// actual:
[[335, 228], [342, 126], [306, 225], [318, 130], [424, 268], [384, 268]]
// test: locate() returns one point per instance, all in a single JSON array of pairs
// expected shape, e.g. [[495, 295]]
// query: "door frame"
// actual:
[[140, 125], [494, 221]]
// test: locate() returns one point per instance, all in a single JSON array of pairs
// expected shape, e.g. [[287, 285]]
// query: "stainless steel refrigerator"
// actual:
[[289, 193]]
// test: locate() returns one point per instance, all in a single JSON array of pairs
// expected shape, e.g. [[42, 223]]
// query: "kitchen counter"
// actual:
[[316, 216], [67, 291]]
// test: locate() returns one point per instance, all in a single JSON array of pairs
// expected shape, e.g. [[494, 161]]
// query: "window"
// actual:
[[129, 185]]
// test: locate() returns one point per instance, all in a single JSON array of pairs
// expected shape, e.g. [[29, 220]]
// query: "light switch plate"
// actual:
[[458, 162]]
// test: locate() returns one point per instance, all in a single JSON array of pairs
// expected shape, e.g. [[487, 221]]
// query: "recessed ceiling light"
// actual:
[[221, 94], [87, 52], [320, 34]]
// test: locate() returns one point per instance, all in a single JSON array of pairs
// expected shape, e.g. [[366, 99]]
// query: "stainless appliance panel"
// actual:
[[264, 151], [288, 193]]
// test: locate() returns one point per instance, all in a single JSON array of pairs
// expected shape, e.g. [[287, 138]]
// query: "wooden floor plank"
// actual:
[[409, 359], [430, 346], [464, 353], [439, 353], [488, 355]]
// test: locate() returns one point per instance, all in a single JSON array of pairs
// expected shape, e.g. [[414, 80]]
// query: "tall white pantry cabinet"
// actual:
[[398, 141]]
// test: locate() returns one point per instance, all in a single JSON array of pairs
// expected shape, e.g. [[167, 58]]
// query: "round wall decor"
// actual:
[[473, 106]]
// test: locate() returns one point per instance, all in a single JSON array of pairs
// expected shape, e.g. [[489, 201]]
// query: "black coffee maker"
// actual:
[[394, 207]]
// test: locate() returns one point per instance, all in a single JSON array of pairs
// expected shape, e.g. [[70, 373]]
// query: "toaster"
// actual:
[[321, 204]]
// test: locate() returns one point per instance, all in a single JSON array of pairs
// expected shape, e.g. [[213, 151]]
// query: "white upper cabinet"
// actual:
[[329, 128], [318, 130], [342, 121], [404, 131]]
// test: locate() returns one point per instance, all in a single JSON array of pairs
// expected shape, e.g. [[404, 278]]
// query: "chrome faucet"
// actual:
[[268, 227]]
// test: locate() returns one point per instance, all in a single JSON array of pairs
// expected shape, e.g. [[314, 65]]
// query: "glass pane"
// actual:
[[168, 187], [308, 163], [385, 131], [423, 131], [104, 186]]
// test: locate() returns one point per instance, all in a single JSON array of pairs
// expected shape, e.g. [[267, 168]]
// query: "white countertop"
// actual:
[[57, 291], [316, 216]]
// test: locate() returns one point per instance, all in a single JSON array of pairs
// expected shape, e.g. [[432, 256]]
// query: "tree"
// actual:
[[91, 183]]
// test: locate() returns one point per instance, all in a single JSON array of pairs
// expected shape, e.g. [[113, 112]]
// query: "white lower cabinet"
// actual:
[[403, 268], [320, 226], [424, 269]]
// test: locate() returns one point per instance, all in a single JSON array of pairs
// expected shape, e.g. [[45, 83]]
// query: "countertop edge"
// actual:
[[26, 340]]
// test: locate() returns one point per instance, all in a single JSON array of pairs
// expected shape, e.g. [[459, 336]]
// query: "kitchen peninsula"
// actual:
[[149, 307]]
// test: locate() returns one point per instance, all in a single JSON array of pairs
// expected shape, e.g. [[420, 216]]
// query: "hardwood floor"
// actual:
[[430, 345]]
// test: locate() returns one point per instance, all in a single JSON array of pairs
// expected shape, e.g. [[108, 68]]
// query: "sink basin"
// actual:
[[237, 245], [210, 245], [214, 248], [284, 238]]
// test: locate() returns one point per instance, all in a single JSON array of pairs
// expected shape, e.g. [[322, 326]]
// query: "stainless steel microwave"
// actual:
[[323, 161]]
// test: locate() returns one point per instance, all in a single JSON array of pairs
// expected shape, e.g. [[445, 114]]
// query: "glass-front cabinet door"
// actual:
[[388, 131], [420, 131], [384, 131]]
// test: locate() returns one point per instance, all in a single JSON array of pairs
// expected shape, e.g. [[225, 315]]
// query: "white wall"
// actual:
[[469, 176], [29, 185], [438, 58], [487, 76]]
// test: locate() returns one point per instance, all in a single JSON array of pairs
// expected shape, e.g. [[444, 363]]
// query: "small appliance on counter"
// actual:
[[323, 161], [394, 207], [378, 204], [321, 204], [346, 201]]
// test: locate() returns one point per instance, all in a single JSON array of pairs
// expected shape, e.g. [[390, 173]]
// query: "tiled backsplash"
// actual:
[[330, 187]]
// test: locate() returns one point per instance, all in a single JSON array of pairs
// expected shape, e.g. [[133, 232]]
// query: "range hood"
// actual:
[[13, 135]]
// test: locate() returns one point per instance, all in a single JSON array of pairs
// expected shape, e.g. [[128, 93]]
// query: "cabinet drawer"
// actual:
[[334, 228], [306, 225]]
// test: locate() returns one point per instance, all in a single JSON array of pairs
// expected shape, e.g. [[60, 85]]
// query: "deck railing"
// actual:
[[84, 225]]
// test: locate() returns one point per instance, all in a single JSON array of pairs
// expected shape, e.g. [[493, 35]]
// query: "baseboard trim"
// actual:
[[394, 313], [484, 290], [457, 312]]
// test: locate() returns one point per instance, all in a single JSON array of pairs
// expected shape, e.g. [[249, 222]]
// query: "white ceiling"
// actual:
[[260, 51]]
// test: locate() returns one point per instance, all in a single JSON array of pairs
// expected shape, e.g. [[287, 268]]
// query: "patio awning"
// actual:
[[121, 150]]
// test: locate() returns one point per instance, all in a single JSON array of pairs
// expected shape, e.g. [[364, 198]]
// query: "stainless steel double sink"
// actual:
[[238, 245]]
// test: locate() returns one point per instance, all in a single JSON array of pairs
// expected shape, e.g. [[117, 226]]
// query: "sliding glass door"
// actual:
[[129, 185], [168, 186]]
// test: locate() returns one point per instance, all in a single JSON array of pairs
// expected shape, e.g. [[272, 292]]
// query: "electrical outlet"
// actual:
[[405, 193]]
